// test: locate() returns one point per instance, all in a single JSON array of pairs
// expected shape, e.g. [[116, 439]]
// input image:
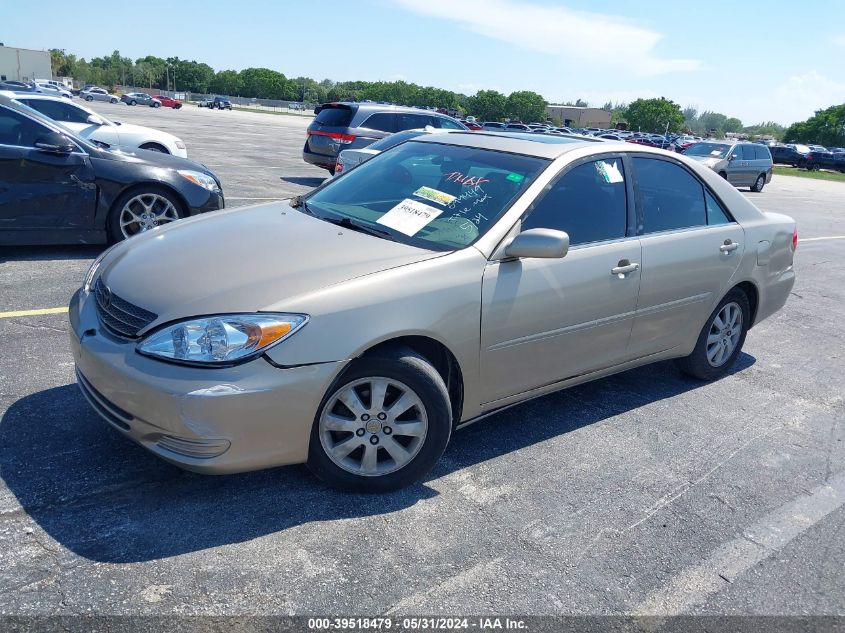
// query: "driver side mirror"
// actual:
[[95, 120], [54, 143], [541, 243]]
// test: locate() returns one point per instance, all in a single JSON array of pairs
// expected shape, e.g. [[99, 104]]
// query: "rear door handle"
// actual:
[[729, 246], [623, 268]]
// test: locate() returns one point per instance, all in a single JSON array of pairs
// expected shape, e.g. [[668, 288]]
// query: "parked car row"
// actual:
[[808, 156]]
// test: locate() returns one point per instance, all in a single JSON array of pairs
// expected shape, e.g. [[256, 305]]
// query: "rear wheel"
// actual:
[[721, 338], [382, 425], [156, 104], [89, 98], [112, 100], [759, 183], [140, 210]]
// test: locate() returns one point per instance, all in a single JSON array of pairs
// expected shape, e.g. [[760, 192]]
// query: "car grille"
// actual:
[[121, 317]]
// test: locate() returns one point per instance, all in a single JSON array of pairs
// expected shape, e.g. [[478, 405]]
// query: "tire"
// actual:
[[698, 363], [156, 104], [89, 98], [759, 183], [166, 213], [331, 170], [132, 102], [367, 462]]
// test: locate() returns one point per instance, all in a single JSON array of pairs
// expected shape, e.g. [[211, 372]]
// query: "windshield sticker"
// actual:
[[440, 197], [513, 177], [609, 171], [409, 216], [466, 181], [716, 152]]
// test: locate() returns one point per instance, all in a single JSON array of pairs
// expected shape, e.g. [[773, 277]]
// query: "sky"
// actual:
[[756, 60]]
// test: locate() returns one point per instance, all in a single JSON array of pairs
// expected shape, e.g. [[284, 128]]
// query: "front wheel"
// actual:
[[759, 183], [382, 425], [156, 104], [89, 98], [141, 210], [721, 338], [112, 100]]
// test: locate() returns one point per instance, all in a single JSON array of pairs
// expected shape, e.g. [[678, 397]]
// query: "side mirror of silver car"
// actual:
[[545, 243]]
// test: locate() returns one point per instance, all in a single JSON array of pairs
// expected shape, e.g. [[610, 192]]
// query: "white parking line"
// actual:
[[820, 239], [757, 543]]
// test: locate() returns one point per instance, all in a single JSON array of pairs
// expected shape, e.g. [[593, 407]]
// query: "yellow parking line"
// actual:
[[27, 313]]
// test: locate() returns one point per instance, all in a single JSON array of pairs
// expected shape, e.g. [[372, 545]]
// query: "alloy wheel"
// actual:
[[373, 426], [144, 212], [724, 334]]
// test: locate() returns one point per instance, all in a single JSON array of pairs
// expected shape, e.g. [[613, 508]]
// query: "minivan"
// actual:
[[741, 164], [341, 126]]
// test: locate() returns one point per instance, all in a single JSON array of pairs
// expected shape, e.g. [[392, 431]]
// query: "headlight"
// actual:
[[220, 340], [92, 270], [199, 178]]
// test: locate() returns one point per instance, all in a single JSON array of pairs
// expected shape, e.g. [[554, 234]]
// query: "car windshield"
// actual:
[[714, 150], [435, 196]]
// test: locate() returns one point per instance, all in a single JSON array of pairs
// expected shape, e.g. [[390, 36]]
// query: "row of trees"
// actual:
[[826, 127], [172, 73]]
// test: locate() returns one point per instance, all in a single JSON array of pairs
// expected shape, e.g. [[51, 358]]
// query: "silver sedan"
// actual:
[[439, 282]]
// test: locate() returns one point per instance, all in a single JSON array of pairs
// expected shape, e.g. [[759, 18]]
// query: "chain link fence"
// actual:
[[272, 105]]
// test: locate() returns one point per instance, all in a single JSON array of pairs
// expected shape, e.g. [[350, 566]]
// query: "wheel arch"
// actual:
[[137, 186], [753, 294], [440, 357], [146, 144]]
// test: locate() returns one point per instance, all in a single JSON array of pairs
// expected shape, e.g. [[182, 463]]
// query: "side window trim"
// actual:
[[629, 204]]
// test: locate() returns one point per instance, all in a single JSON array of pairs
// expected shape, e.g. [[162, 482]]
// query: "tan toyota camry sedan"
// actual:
[[357, 326]]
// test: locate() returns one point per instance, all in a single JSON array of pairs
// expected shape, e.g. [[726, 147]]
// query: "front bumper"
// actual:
[[203, 201], [214, 421]]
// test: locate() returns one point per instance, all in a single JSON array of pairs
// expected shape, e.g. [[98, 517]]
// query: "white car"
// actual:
[[349, 158], [54, 91], [95, 127], [98, 94]]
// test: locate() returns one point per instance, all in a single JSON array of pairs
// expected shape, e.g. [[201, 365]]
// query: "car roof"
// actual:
[[384, 107], [539, 145], [38, 96]]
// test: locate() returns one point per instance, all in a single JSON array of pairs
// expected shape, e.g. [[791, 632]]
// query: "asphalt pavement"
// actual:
[[647, 492]]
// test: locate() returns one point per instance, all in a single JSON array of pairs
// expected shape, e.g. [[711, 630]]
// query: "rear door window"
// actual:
[[762, 152], [334, 116], [447, 124], [408, 121], [381, 121], [670, 197]]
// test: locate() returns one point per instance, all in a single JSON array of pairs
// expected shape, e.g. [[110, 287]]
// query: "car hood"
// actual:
[[243, 260], [155, 159], [706, 160]]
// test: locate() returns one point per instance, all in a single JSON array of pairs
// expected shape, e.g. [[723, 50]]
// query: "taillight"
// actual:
[[344, 139], [338, 167], [795, 238]]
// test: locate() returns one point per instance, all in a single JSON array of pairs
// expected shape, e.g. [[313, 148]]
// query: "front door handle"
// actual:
[[729, 246], [623, 268]]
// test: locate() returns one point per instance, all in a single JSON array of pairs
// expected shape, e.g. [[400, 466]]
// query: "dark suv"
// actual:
[[340, 126]]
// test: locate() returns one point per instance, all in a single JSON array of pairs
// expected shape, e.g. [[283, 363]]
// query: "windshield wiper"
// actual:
[[348, 223]]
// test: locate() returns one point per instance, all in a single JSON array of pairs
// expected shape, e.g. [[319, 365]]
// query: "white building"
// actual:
[[24, 64]]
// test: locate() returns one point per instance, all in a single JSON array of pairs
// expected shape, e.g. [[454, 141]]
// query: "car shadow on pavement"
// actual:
[[106, 499], [46, 253]]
